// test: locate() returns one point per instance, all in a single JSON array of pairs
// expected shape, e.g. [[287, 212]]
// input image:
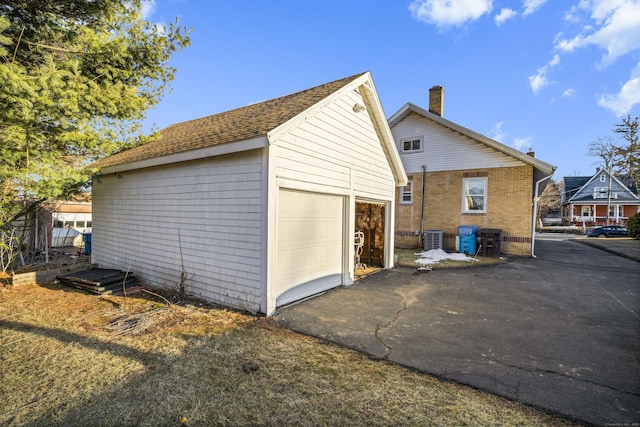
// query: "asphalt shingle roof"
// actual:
[[574, 183], [235, 125]]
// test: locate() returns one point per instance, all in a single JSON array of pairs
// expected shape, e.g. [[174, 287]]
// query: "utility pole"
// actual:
[[608, 197]]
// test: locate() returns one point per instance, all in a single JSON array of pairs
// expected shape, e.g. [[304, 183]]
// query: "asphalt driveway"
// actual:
[[560, 332]]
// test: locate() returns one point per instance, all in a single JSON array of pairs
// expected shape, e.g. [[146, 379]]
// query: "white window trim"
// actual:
[[616, 211], [415, 138], [600, 192], [402, 193], [484, 181]]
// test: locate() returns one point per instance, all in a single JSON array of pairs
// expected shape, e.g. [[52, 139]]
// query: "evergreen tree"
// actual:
[[76, 79]]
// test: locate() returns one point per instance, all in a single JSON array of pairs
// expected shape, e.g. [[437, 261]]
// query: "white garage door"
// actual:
[[310, 244]]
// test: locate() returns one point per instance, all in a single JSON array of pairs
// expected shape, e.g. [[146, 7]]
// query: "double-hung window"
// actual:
[[616, 211], [474, 195], [406, 194]]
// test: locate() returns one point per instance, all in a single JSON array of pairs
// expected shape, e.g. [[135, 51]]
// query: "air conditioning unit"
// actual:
[[432, 239]]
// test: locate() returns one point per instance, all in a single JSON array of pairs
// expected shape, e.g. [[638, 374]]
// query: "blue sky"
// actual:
[[550, 75]]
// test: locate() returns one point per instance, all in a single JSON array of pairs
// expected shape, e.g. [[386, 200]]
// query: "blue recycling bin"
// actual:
[[467, 238], [86, 238]]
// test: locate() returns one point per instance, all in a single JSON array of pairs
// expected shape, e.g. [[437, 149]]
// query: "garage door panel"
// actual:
[[310, 244]]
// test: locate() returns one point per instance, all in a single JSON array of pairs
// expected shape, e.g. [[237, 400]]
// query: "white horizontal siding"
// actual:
[[338, 148], [204, 215], [445, 149]]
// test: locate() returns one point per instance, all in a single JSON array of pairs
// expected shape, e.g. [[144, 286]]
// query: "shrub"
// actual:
[[633, 225]]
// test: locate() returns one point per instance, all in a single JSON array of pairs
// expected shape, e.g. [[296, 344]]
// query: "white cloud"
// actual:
[[530, 6], [572, 15], [148, 8], [497, 132], [522, 144], [504, 15], [629, 95], [569, 93], [614, 26], [448, 13], [539, 80]]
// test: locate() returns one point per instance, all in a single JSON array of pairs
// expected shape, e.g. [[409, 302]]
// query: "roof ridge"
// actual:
[[477, 136], [279, 98], [242, 123]]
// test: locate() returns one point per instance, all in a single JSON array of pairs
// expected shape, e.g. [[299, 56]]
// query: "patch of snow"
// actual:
[[434, 256]]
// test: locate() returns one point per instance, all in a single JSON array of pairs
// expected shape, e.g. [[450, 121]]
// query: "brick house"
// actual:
[[585, 199], [460, 177]]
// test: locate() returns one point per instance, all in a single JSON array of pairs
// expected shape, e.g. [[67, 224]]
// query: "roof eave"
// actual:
[[185, 156], [384, 131], [543, 167], [374, 108]]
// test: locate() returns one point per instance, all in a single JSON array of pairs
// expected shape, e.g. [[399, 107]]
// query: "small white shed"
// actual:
[[255, 207]]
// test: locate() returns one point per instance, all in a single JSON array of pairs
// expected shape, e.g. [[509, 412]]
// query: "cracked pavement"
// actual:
[[560, 332]]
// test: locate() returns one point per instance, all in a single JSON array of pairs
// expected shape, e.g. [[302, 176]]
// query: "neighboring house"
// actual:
[[55, 224], [459, 177], [70, 220], [585, 199], [255, 207]]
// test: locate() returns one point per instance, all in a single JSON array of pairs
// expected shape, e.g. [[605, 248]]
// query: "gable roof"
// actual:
[[235, 125], [572, 184], [543, 168], [251, 127], [71, 207], [584, 192]]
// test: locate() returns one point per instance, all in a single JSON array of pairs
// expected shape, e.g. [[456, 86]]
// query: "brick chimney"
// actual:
[[436, 100], [531, 153]]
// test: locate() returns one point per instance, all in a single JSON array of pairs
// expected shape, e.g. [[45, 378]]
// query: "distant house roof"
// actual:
[[542, 167], [628, 181], [72, 207], [235, 125], [577, 188], [572, 184]]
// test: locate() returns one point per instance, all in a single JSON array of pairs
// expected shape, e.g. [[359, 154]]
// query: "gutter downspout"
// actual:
[[535, 213], [421, 239]]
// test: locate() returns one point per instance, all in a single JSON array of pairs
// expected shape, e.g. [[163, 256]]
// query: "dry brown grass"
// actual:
[[63, 362]]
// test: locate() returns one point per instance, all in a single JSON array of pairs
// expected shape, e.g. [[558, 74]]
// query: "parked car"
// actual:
[[609, 231]]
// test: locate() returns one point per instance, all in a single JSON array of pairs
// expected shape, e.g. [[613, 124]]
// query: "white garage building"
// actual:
[[255, 207]]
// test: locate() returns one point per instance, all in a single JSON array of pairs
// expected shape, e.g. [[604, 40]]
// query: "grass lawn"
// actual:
[[70, 358]]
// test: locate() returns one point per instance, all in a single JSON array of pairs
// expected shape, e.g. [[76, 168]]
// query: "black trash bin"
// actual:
[[490, 240]]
